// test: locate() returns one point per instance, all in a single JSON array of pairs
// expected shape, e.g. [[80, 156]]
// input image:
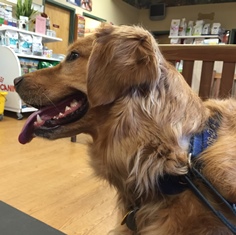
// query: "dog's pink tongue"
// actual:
[[27, 133], [47, 113]]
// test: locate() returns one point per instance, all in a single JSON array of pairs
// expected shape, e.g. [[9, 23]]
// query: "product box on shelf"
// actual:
[[25, 43], [5, 14], [174, 27], [28, 65], [12, 40], [37, 46]]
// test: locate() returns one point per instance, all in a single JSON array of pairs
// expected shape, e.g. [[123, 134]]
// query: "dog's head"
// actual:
[[122, 58], [100, 68]]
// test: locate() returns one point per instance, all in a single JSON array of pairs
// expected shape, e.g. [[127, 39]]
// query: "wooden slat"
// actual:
[[209, 54], [173, 62], [188, 71], [199, 52], [206, 79], [227, 80], [216, 78]]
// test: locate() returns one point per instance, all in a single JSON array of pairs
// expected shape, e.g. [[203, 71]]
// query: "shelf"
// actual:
[[45, 38], [38, 57], [194, 36], [21, 110], [59, 57], [28, 109]]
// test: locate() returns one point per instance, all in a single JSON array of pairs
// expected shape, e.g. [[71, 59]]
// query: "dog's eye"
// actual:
[[73, 56]]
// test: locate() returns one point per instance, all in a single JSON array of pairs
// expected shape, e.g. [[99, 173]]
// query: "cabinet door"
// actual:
[[59, 22]]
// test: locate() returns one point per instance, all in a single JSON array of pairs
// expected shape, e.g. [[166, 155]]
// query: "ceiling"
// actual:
[[170, 3]]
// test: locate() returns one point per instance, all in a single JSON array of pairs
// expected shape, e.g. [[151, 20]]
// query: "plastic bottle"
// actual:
[[182, 27], [189, 31]]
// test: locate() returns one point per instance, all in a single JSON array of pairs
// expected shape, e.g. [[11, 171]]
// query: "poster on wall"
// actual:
[[79, 26], [85, 4], [85, 26]]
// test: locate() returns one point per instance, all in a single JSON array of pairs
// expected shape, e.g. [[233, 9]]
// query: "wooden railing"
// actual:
[[208, 54]]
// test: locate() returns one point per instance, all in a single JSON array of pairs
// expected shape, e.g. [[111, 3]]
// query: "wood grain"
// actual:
[[59, 22], [53, 182]]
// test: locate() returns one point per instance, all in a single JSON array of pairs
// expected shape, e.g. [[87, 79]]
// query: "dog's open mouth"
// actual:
[[50, 117]]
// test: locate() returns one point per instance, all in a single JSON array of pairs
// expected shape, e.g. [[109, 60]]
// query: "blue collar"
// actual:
[[201, 141], [171, 184]]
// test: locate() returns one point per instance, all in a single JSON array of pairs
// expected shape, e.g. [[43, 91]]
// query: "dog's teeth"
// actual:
[[74, 103], [39, 120], [61, 115], [67, 108], [55, 117]]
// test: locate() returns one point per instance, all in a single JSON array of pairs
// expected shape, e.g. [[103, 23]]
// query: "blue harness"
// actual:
[[201, 141], [198, 144], [170, 184]]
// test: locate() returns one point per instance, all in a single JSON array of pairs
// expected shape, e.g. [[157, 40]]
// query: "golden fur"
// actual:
[[141, 116]]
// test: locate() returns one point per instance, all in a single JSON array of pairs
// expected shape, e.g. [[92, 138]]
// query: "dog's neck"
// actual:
[[174, 184], [141, 138], [137, 127]]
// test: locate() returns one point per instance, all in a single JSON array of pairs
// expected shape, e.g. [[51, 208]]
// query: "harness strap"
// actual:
[[176, 184], [232, 207]]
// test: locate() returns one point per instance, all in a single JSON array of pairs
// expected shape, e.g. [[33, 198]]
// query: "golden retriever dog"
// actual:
[[116, 86]]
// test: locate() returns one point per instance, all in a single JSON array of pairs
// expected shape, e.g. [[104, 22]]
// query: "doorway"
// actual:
[[62, 22]]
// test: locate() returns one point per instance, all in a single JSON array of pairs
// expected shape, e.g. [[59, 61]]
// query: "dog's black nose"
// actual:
[[18, 80]]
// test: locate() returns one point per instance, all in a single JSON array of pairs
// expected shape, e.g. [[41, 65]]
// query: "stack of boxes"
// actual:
[[6, 15]]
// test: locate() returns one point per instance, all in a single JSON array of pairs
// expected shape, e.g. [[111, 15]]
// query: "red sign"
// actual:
[[5, 87], [56, 26]]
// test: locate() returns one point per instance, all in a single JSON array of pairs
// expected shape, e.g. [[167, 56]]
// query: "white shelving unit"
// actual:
[[201, 37], [193, 37], [10, 69], [45, 38], [38, 57]]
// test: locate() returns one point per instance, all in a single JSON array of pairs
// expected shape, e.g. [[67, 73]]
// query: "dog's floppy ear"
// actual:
[[122, 57]]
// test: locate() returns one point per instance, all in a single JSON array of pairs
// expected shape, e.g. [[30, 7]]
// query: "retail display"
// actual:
[[6, 15], [199, 32], [14, 64]]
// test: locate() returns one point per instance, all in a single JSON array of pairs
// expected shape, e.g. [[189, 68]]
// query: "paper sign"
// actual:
[[40, 25]]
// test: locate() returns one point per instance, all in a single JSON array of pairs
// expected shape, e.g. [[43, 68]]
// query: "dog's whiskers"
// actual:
[[50, 101]]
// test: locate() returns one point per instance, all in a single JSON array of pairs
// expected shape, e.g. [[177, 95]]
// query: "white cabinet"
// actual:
[[10, 68]]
